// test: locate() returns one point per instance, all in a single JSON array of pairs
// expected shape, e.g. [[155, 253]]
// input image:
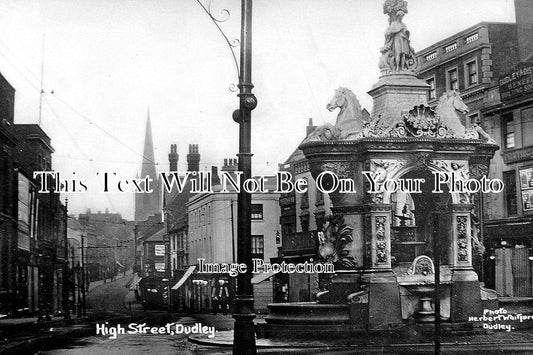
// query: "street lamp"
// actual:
[[243, 333]]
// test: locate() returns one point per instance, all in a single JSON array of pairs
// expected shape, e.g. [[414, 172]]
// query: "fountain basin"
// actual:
[[422, 288], [312, 320], [308, 313]]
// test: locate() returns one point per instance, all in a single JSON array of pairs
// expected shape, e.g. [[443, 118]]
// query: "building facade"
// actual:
[[212, 237], [469, 62], [302, 216], [33, 241], [490, 65]]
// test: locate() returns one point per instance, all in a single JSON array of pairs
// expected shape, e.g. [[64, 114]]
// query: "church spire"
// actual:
[[148, 163], [147, 204]]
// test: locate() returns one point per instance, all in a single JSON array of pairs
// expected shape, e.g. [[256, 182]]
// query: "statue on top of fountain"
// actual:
[[397, 55]]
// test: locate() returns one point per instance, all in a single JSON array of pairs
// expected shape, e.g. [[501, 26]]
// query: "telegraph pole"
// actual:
[[244, 334], [66, 271], [84, 304]]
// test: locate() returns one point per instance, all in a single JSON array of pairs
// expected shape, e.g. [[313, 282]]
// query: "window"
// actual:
[[319, 197], [304, 199], [431, 93], [474, 118], [450, 47], [452, 82], [527, 127], [508, 131], [509, 180], [304, 220], [431, 56], [472, 38], [319, 220], [257, 211], [471, 73], [258, 246], [287, 229]]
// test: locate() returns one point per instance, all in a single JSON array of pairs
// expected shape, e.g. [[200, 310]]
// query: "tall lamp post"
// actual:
[[244, 335]]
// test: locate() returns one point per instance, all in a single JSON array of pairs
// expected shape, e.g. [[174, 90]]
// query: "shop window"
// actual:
[[509, 180], [527, 127]]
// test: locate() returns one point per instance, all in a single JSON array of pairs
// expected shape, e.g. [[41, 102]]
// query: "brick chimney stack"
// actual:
[[524, 26], [230, 165], [193, 158], [310, 128], [173, 157], [215, 179]]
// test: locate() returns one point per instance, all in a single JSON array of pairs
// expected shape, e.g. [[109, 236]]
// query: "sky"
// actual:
[[108, 62]]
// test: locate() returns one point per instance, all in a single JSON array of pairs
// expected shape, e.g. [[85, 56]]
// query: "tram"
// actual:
[[154, 292]]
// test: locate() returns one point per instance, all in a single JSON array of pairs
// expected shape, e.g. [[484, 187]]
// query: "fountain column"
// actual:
[[381, 282], [466, 297]]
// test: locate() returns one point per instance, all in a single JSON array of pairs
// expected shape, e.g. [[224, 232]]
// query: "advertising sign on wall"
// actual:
[[526, 186], [517, 82], [159, 250]]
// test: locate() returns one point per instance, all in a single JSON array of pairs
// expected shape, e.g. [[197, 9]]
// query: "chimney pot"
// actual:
[[310, 128], [193, 158]]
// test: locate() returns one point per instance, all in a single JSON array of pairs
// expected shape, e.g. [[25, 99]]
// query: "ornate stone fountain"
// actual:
[[375, 286]]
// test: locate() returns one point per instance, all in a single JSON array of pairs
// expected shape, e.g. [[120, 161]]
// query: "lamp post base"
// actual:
[[244, 330]]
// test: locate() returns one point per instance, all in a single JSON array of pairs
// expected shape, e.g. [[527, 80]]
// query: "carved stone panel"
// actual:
[[381, 242], [383, 169], [462, 239]]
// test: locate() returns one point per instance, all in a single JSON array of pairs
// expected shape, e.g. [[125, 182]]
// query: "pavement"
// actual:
[[22, 334], [518, 342], [7, 322]]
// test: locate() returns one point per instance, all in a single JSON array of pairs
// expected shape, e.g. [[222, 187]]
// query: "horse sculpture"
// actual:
[[449, 104], [447, 108], [349, 122]]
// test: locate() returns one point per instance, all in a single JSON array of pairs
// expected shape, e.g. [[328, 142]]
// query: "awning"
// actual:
[[135, 282], [262, 277], [119, 264], [184, 278]]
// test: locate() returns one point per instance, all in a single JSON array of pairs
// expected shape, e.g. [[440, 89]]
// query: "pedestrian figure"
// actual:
[[220, 297], [134, 285]]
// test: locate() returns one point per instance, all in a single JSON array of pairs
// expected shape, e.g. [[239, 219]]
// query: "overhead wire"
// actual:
[[76, 144], [66, 104]]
